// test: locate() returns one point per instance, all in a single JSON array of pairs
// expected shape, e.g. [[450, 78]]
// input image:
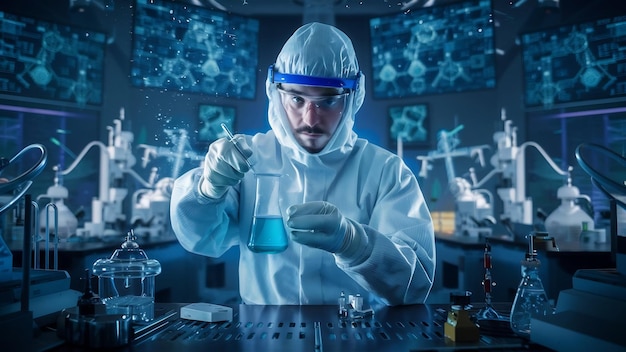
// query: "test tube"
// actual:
[[231, 138], [318, 336]]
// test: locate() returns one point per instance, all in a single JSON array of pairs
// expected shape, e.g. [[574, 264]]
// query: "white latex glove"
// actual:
[[321, 225], [224, 166]]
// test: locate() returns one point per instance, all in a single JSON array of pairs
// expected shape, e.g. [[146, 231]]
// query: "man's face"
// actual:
[[313, 113]]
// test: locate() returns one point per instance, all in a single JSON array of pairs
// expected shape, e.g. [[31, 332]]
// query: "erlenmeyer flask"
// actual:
[[268, 233], [530, 300]]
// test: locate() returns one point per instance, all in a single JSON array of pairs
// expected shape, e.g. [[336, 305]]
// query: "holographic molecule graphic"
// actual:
[[192, 49], [211, 117], [575, 63], [433, 50], [409, 123], [50, 61]]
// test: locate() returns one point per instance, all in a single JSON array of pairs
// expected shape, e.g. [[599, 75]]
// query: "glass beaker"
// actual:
[[268, 234]]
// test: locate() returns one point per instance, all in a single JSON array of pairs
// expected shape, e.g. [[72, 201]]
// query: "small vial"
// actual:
[[343, 312], [357, 302]]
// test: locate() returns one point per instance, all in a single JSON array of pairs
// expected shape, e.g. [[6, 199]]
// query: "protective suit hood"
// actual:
[[317, 50]]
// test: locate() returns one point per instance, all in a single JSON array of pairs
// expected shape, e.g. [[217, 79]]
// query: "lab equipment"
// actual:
[[343, 310], [150, 205], [127, 281], [459, 327], [565, 223], [509, 161], [206, 312], [473, 207], [100, 332], [268, 234], [517, 208], [531, 300], [150, 215], [318, 336], [14, 182], [88, 324], [488, 312], [66, 222], [356, 301], [591, 313], [90, 303], [116, 160], [38, 293], [589, 238], [353, 307], [231, 138], [51, 206], [150, 212]]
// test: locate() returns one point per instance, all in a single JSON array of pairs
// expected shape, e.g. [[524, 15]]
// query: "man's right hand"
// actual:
[[224, 166]]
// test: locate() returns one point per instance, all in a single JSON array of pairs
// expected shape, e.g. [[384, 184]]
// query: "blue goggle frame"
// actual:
[[346, 83]]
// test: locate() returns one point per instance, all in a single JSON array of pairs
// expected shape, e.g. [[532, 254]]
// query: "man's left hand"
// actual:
[[321, 225]]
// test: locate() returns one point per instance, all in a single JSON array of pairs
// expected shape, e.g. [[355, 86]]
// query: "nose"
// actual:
[[310, 115]]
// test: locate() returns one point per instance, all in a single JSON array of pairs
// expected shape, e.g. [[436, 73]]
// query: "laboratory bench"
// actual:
[[261, 328], [460, 264]]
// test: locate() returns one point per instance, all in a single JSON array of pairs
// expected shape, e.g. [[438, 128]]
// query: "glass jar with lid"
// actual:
[[126, 281]]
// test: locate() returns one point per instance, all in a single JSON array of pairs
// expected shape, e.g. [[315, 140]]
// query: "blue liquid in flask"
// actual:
[[268, 235]]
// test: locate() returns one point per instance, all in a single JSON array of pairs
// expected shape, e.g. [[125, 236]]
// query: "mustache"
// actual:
[[308, 129]]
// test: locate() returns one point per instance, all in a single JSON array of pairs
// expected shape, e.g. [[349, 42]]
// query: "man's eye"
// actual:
[[330, 102], [296, 99]]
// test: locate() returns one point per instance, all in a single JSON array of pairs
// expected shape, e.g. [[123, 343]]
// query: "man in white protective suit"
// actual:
[[354, 213]]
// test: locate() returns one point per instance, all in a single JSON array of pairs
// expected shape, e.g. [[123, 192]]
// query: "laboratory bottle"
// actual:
[[588, 237], [126, 281], [530, 300], [59, 216], [56, 216], [268, 234], [565, 222]]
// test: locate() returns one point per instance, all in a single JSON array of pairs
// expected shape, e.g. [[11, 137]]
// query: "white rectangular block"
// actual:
[[206, 312]]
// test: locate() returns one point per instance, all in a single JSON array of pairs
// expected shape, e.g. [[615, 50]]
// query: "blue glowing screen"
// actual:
[[433, 50], [51, 61], [574, 63], [193, 49]]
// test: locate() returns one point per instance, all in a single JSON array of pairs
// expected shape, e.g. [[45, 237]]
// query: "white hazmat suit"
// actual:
[[371, 187]]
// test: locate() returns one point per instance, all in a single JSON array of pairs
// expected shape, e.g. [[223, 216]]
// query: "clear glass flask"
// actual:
[[268, 233], [530, 300]]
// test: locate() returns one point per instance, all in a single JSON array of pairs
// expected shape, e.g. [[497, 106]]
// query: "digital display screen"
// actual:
[[442, 49], [193, 49], [575, 63], [50, 61]]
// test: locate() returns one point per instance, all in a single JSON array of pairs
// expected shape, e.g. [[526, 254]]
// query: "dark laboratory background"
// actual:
[[74, 71]]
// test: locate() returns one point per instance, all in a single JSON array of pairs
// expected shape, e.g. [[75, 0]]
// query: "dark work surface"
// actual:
[[291, 328]]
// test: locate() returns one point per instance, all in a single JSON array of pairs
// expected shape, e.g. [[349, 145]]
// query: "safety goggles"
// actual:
[[330, 82], [323, 103]]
